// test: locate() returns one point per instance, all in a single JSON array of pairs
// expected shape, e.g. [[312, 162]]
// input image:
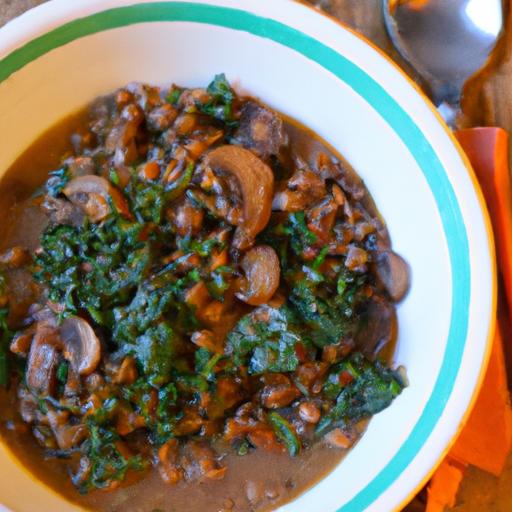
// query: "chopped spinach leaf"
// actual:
[[108, 464], [57, 181], [372, 389], [285, 433], [221, 105], [265, 340], [174, 95]]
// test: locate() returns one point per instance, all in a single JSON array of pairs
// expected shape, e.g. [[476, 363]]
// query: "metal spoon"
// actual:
[[445, 41]]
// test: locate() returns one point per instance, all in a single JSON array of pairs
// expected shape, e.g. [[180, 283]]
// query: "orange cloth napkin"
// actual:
[[486, 439]]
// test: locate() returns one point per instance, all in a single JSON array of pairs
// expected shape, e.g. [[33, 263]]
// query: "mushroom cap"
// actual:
[[256, 182], [81, 346], [393, 272], [262, 274], [92, 194], [43, 360]]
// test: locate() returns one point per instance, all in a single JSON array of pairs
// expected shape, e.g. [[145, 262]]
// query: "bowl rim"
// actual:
[[55, 24]]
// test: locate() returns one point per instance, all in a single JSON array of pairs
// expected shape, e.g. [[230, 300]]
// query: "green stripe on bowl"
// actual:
[[391, 112]]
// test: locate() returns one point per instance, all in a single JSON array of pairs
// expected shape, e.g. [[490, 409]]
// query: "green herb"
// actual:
[[107, 411], [155, 350], [317, 263], [327, 326], [328, 308], [373, 389], [220, 281], [154, 298], [41, 404], [341, 285], [57, 181], [221, 105], [191, 383], [332, 386], [300, 235], [220, 89], [243, 449], [265, 345], [62, 372], [107, 463], [285, 433], [174, 95], [160, 422], [113, 176], [167, 396], [148, 199], [202, 248], [178, 187], [205, 363], [93, 267]]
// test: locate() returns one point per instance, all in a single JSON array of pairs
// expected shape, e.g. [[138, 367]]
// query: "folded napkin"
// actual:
[[486, 439]]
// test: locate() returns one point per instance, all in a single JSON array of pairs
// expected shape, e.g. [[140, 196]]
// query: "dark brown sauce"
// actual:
[[285, 478]]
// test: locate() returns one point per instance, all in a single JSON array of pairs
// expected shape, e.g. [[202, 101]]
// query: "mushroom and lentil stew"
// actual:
[[199, 298]]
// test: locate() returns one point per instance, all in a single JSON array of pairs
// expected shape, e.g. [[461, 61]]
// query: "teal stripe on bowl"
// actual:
[[389, 110]]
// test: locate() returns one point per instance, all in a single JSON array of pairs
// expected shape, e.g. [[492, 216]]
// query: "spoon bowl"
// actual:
[[446, 41]]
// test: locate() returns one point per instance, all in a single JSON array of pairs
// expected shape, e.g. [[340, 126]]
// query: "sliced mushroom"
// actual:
[[356, 258], [343, 174], [146, 96], [73, 384], [256, 182], [27, 405], [261, 130], [20, 344], [67, 436], [377, 327], [393, 272], [300, 192], [121, 140], [60, 211], [80, 166], [42, 313], [43, 360], [81, 346], [262, 274], [92, 195], [321, 218], [161, 118], [126, 373]]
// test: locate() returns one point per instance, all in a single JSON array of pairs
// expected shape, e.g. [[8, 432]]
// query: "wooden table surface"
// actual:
[[480, 491]]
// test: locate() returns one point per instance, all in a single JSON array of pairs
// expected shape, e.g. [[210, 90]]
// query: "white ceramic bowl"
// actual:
[[61, 55]]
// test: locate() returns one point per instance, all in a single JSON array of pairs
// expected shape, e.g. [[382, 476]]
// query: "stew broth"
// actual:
[[258, 479]]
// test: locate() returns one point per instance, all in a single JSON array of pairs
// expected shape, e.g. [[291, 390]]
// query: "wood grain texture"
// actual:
[[12, 8], [487, 96]]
